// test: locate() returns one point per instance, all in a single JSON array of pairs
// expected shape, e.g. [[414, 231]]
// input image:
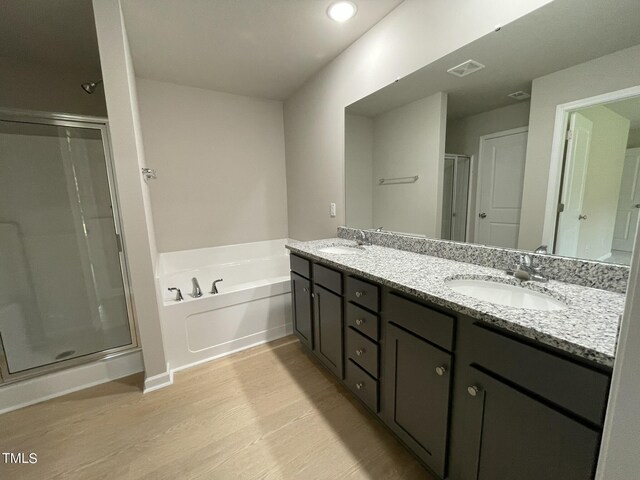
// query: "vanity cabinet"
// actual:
[[470, 400], [318, 311], [417, 385]]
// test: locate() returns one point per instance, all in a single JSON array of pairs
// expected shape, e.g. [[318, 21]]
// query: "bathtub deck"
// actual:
[[267, 412]]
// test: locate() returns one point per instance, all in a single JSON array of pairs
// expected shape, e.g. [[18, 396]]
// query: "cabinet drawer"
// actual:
[[570, 385], [423, 321], [363, 321], [361, 383], [363, 293], [300, 265], [328, 278], [362, 351]]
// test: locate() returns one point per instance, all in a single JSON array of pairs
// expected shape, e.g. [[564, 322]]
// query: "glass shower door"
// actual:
[[62, 289]]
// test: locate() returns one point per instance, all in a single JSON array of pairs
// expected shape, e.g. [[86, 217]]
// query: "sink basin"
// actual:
[[505, 294], [341, 250]]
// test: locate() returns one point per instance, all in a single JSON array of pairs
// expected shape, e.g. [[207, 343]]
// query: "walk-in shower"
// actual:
[[63, 283]]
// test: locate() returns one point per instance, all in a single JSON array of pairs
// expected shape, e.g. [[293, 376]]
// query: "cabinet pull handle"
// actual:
[[360, 294], [359, 352], [473, 390], [359, 321], [440, 371], [359, 385]]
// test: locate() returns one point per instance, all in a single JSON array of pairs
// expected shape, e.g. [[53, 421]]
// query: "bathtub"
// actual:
[[253, 305]]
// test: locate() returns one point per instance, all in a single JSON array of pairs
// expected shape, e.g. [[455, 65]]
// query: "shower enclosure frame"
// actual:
[[93, 123]]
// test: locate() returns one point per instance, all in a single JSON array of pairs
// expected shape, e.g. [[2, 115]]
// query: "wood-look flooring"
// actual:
[[270, 412]]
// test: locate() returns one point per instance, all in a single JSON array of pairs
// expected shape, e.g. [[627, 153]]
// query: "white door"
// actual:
[[500, 182], [572, 196], [629, 203]]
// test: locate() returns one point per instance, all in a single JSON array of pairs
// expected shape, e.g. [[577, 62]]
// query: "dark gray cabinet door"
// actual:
[[507, 434], [328, 329], [417, 395], [302, 313]]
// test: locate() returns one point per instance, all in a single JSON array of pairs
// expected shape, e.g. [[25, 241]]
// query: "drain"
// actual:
[[65, 354]]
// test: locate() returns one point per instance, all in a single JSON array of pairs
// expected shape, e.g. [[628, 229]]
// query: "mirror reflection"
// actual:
[[529, 136]]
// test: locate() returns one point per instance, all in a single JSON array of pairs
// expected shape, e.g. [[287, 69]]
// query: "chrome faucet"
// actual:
[[527, 270], [196, 292], [362, 239], [179, 297], [214, 287]]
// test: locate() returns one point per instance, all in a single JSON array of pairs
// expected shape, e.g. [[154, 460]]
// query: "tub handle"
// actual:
[[214, 287], [179, 297]]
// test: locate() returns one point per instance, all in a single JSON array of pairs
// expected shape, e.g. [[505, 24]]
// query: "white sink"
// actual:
[[505, 294], [341, 250]]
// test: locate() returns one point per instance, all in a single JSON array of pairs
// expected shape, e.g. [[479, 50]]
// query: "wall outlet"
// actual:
[[332, 209]]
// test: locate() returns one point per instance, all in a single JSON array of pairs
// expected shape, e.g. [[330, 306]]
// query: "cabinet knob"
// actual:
[[359, 385], [359, 352], [360, 294], [359, 321], [313, 295], [305, 289], [473, 390], [441, 371]]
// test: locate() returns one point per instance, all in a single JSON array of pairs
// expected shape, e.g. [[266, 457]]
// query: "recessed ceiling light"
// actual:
[[342, 11], [465, 68]]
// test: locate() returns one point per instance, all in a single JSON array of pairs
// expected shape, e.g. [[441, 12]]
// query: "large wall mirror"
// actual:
[[527, 136]]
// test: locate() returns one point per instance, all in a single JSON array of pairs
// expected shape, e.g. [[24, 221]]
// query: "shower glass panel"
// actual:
[[62, 293], [455, 197]]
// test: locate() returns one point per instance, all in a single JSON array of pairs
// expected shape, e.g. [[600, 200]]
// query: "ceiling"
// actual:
[[57, 33], [561, 34], [260, 48]]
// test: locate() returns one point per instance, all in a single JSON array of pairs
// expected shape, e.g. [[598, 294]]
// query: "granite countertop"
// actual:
[[588, 327]]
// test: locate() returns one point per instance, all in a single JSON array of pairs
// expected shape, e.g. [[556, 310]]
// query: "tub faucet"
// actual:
[[179, 297], [214, 287], [196, 292]]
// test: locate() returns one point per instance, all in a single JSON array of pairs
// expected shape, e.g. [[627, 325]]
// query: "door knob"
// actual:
[[582, 217], [440, 371], [482, 215], [637, 205], [473, 390]]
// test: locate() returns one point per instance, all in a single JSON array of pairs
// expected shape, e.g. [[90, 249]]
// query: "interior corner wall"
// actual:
[[602, 75], [634, 138], [128, 159], [31, 86], [408, 141], [220, 164], [413, 35], [463, 138]]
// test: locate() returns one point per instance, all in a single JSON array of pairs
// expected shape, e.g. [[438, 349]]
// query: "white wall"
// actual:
[[602, 75], [634, 138], [463, 137], [413, 35], [408, 141], [359, 171], [29, 86], [220, 163], [128, 159], [602, 186]]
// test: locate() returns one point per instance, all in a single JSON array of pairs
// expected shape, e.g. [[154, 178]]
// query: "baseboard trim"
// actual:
[[38, 389], [156, 382]]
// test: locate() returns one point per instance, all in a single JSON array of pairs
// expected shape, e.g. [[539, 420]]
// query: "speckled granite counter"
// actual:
[[588, 327]]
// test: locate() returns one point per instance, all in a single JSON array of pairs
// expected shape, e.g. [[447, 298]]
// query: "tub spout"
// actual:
[[214, 287], [197, 292]]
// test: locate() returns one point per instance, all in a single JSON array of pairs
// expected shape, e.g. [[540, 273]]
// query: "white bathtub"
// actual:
[[253, 305]]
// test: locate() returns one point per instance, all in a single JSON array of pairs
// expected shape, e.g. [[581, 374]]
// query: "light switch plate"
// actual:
[[332, 209]]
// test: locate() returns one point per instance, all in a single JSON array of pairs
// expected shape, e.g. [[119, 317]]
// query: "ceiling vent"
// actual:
[[466, 68], [519, 95]]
